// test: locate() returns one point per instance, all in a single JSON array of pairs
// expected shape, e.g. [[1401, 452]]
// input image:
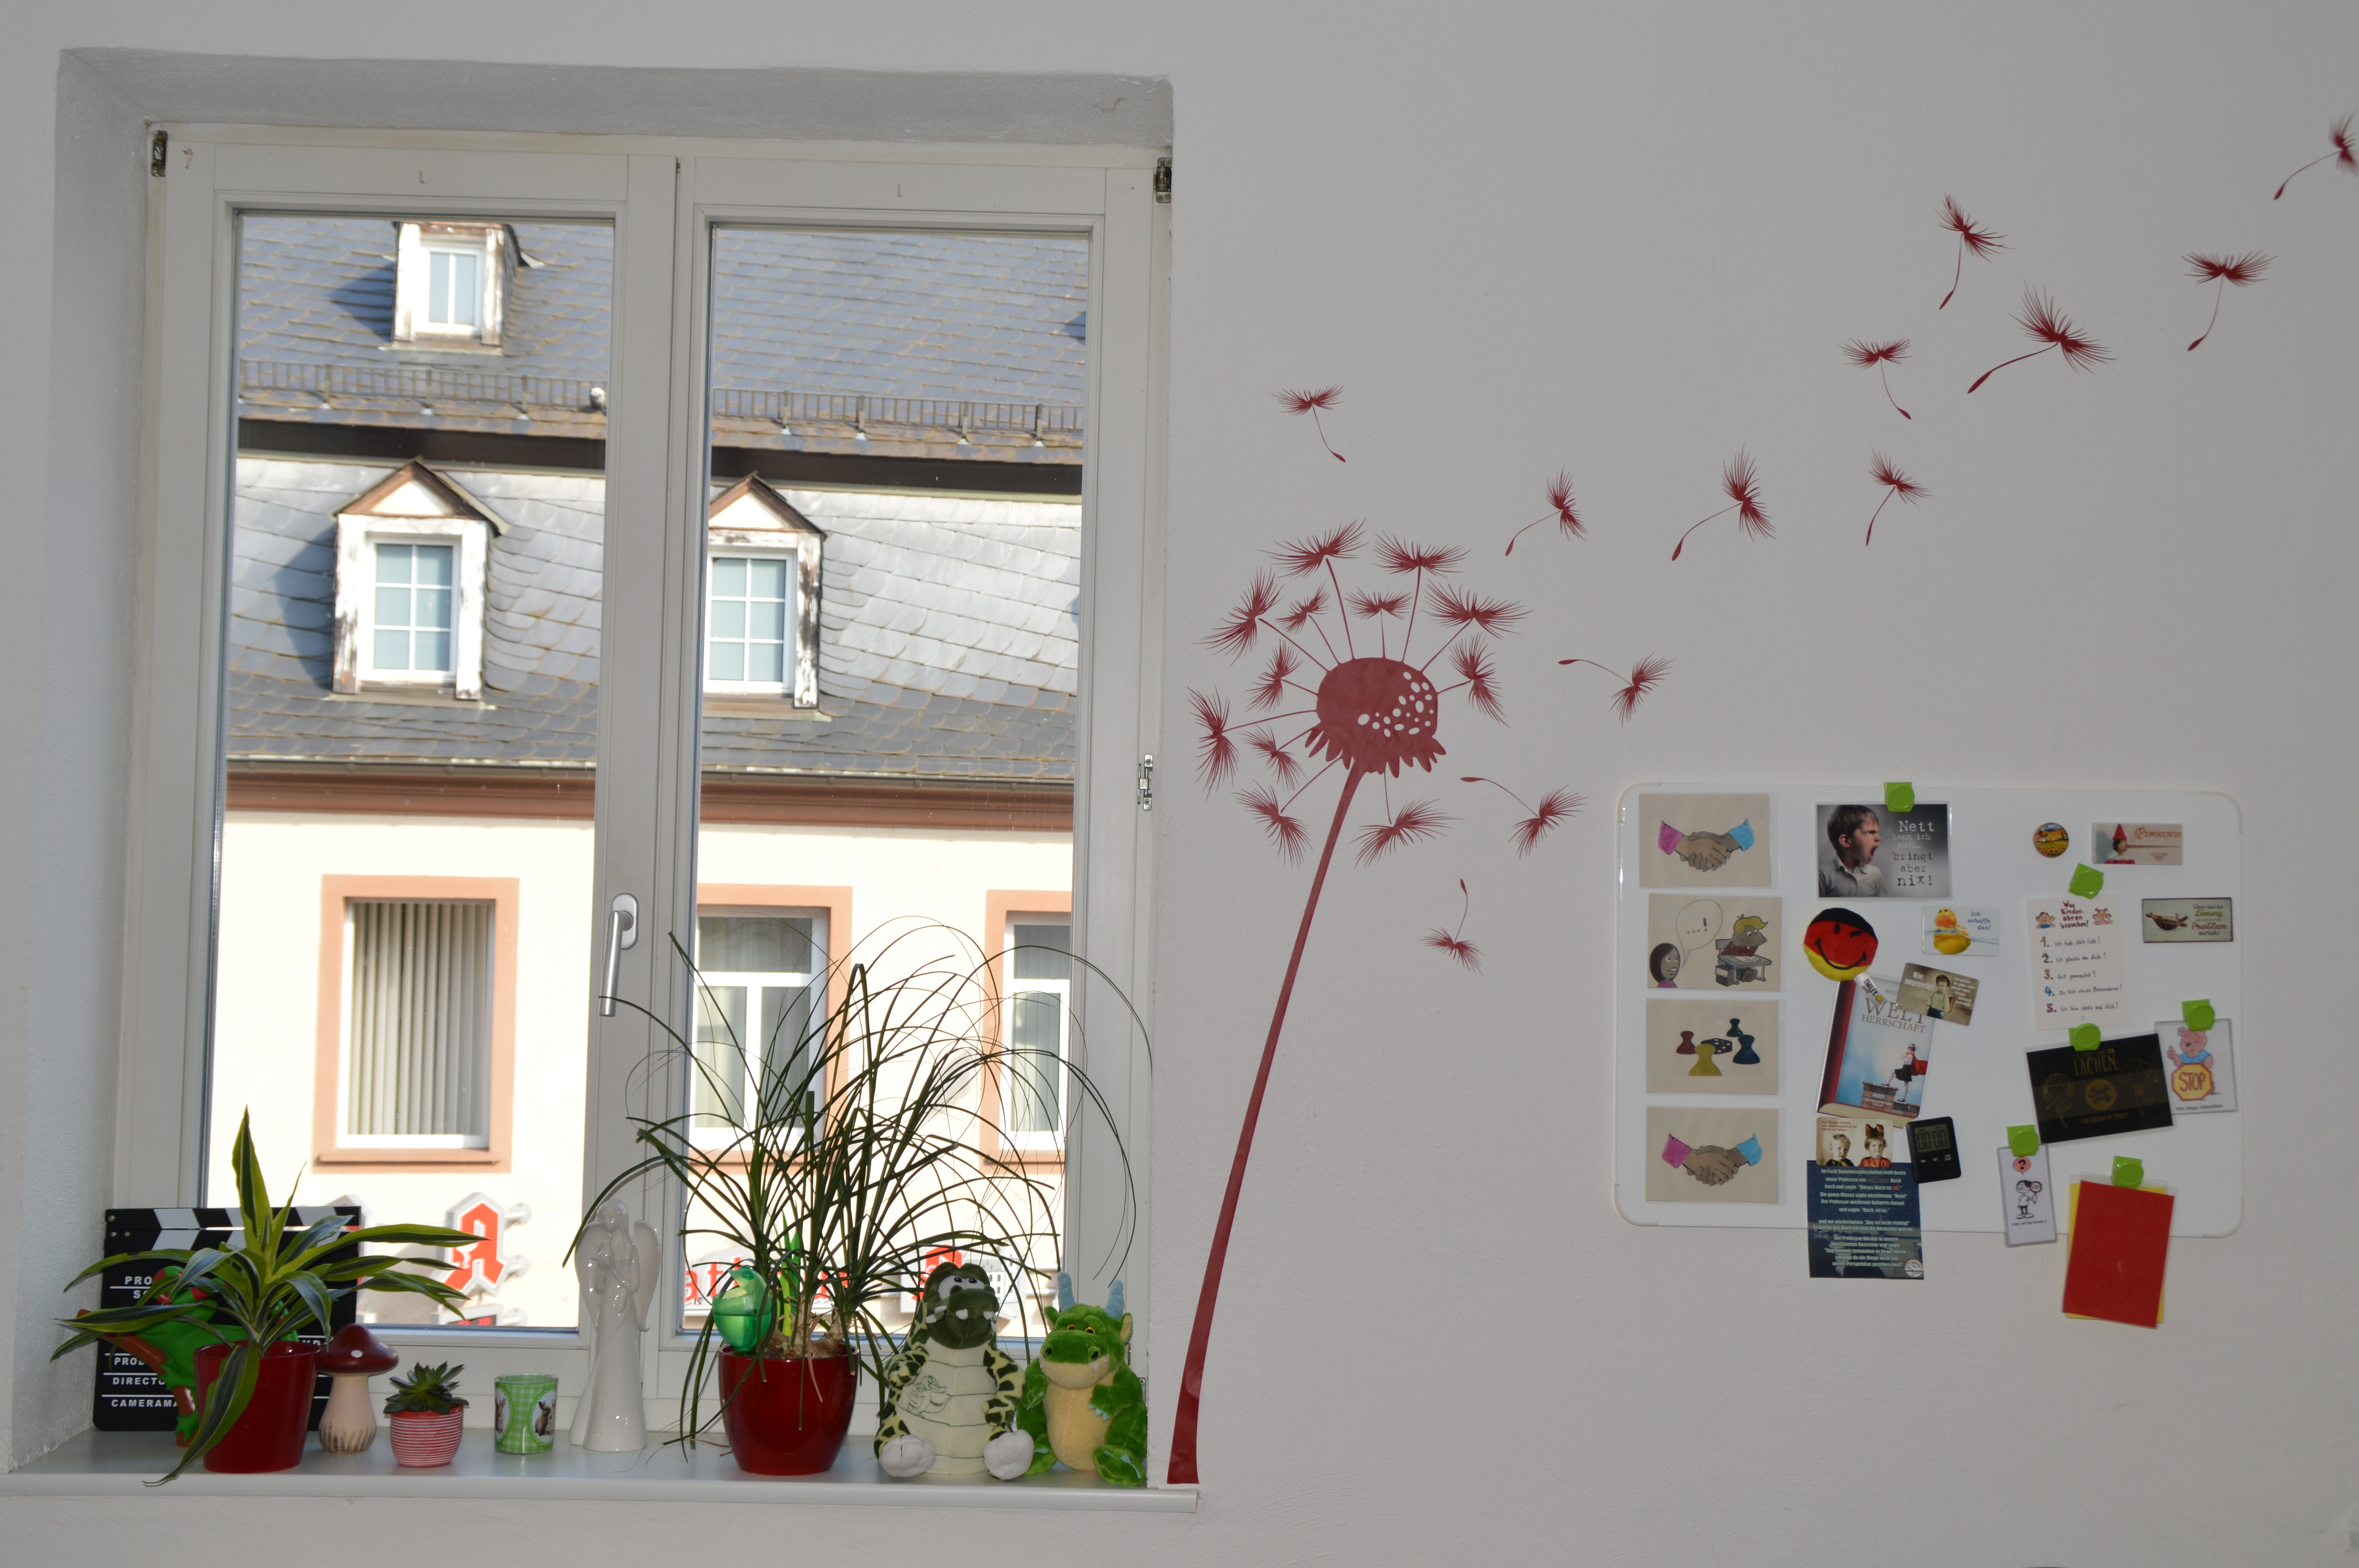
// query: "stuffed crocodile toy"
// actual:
[[948, 1407], [1082, 1405]]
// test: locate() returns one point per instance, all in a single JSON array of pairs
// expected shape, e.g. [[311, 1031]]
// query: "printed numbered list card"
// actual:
[[2079, 972]]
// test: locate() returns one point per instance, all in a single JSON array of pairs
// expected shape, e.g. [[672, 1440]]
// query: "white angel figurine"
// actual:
[[618, 1263]]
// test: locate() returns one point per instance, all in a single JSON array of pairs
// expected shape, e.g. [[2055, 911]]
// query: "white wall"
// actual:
[[1628, 240]]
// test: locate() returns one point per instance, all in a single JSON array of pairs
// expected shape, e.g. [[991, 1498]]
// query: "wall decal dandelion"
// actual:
[[2041, 320], [2239, 270], [1972, 236], [1877, 356], [1369, 715], [1895, 483], [1645, 675], [1310, 403], [1447, 942], [1555, 806], [2339, 135], [1563, 511], [1743, 488]]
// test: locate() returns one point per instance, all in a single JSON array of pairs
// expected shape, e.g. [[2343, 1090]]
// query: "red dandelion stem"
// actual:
[[1182, 1472], [1739, 482], [1971, 237], [1563, 509], [2339, 135], [1865, 354], [2041, 320], [1447, 942], [1310, 403], [2239, 270], [1554, 807], [1895, 484]]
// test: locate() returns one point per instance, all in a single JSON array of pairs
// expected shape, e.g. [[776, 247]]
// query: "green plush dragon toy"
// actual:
[[948, 1407], [1083, 1404]]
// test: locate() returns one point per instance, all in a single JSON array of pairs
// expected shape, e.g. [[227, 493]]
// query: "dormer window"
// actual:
[[410, 557], [761, 607], [451, 283]]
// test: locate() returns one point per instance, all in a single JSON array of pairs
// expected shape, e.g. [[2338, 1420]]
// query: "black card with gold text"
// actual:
[[2120, 1086]]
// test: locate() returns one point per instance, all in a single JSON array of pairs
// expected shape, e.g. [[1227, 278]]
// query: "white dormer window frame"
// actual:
[[428, 256], [752, 522], [413, 505]]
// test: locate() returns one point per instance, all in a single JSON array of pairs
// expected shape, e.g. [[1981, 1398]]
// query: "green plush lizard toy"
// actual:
[[1083, 1404], [948, 1407]]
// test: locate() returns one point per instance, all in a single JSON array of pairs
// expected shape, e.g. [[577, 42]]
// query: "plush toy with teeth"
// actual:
[[948, 1407], [1083, 1404]]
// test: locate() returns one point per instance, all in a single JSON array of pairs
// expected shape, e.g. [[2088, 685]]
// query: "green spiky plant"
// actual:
[[274, 1284], [860, 1153], [428, 1391]]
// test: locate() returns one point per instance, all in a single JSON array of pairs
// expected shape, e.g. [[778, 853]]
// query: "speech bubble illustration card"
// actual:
[[1732, 942]]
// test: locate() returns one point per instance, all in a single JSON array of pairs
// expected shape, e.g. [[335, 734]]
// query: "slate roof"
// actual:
[[949, 644]]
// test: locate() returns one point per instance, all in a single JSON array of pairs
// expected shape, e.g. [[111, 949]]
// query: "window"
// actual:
[[1038, 991], [762, 599], [765, 990], [417, 1020], [451, 282], [412, 554]]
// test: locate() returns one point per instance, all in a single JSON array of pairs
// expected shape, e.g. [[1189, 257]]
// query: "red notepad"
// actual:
[[2120, 1238]]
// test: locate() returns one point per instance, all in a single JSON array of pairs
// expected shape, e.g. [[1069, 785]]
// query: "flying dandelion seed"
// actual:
[[1645, 675], [1984, 243], [1743, 488], [1284, 765], [1563, 511], [2339, 135], [2040, 319], [1877, 356], [1312, 403], [1895, 484], [1447, 942], [1555, 806], [2241, 271]]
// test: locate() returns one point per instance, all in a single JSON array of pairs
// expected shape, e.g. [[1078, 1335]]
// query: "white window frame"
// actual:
[[1053, 1140], [787, 534], [757, 1043], [413, 321], [359, 528], [662, 196]]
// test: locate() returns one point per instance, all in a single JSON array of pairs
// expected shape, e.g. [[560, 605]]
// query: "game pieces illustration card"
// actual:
[[1710, 1047]]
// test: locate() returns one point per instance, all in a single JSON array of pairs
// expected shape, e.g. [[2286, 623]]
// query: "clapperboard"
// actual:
[[129, 1397]]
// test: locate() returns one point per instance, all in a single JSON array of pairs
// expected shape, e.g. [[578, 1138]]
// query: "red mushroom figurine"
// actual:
[[349, 1423]]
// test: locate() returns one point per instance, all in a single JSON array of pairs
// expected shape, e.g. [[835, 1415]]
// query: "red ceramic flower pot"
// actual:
[[788, 1417], [423, 1439], [269, 1435]]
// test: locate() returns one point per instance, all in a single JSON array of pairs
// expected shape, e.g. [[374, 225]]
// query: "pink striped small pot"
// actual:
[[422, 1440]]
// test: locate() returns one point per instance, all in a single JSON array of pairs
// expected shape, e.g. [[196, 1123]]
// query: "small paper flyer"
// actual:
[[1864, 1224], [2079, 972]]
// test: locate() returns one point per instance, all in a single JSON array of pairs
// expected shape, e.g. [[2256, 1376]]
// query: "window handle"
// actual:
[[622, 932]]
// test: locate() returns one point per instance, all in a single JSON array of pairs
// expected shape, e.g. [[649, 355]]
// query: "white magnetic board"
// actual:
[[1977, 1075]]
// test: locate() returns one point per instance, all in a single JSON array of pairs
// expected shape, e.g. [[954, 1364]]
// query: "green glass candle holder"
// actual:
[[524, 1413]]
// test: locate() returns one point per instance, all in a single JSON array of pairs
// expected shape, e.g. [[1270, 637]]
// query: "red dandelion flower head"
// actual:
[[1977, 239], [1304, 402], [2341, 133], [1901, 485], [2238, 270], [1375, 715], [2041, 320], [1865, 354], [1401, 559], [1308, 555], [1742, 485]]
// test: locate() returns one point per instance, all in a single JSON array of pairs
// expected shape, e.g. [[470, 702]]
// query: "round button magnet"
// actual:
[[2050, 839]]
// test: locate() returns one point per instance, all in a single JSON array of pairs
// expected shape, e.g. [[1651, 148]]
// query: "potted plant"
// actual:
[[427, 1414], [860, 1158], [246, 1305]]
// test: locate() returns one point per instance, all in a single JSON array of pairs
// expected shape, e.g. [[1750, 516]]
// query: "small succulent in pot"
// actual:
[[427, 1414]]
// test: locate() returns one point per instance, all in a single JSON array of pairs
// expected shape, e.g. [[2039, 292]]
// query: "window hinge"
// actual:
[[1146, 782], [158, 144], [1163, 180]]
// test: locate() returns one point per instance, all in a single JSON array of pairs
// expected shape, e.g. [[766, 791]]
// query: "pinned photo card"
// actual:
[[2202, 1066], [2080, 973], [1712, 1047], [2025, 1199], [1872, 851], [2138, 843], [1704, 841], [2117, 1087], [2188, 919], [1700, 1154], [1956, 931], [1864, 1224], [1729, 943], [1939, 995], [1878, 1053]]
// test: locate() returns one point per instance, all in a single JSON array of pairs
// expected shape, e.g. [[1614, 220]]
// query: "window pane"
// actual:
[[426, 952], [728, 618], [746, 944], [1035, 1019], [1041, 952], [717, 1092], [911, 400], [728, 661]]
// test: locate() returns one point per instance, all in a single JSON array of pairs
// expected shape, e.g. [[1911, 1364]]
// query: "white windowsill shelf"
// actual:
[[119, 1464]]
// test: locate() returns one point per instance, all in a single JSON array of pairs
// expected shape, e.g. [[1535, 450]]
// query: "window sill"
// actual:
[[120, 1464]]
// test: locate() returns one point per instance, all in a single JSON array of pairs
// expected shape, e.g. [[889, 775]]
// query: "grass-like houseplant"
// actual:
[[862, 1154], [246, 1305]]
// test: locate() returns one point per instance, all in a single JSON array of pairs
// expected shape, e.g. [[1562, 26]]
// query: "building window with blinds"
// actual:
[[1039, 990], [417, 1034], [758, 1017]]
